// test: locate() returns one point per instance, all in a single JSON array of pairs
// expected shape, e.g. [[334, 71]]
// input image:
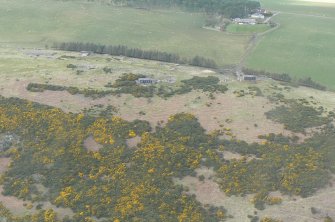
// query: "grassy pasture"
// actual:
[[36, 23], [247, 29], [303, 45], [309, 7]]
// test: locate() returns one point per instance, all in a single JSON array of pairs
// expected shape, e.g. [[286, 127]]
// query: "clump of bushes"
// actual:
[[308, 82], [252, 91], [121, 50], [71, 66], [297, 117], [126, 84], [101, 111], [93, 93], [279, 138], [107, 70], [37, 87], [255, 91], [206, 84]]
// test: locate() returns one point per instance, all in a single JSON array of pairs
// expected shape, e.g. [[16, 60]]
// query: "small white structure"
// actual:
[[85, 53], [250, 21], [257, 16]]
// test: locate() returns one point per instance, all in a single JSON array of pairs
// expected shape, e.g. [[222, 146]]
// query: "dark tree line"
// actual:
[[308, 82], [284, 77], [121, 50], [228, 8]]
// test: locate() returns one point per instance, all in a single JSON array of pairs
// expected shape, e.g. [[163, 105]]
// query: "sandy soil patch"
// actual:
[[208, 192], [132, 142], [17, 206], [207, 71], [4, 164], [91, 145], [298, 209], [14, 204], [227, 155], [293, 209]]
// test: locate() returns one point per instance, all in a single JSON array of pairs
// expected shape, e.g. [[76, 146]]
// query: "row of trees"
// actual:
[[228, 8], [121, 50]]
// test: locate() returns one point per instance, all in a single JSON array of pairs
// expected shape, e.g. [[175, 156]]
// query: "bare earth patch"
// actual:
[[227, 155], [13, 204], [4, 164], [293, 209], [208, 192], [91, 145], [17, 206], [298, 209], [132, 142]]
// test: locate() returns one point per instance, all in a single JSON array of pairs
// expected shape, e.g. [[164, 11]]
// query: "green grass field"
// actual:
[[247, 29], [40, 22], [303, 45]]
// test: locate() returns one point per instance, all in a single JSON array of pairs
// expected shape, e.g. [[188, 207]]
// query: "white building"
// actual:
[[249, 21], [257, 16]]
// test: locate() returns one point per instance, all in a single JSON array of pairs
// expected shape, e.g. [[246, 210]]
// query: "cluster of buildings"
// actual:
[[241, 21], [257, 17]]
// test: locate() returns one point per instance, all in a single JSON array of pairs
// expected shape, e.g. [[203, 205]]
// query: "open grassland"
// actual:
[[37, 23], [19, 69], [305, 7], [246, 113], [247, 29], [303, 45]]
